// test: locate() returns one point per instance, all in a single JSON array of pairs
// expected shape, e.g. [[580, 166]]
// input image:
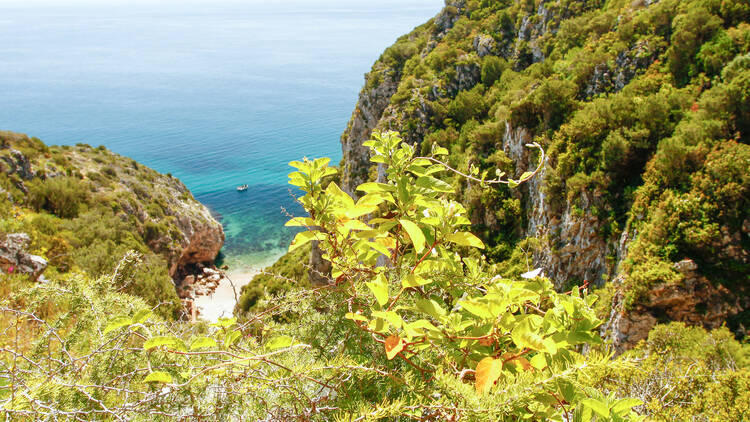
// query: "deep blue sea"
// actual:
[[218, 93]]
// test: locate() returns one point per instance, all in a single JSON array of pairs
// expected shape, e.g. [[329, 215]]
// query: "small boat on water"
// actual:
[[242, 188]]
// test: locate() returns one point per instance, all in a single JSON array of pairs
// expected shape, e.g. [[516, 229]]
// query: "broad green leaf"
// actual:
[[526, 176], [465, 239], [567, 389], [375, 199], [231, 338], [625, 405], [430, 307], [333, 191], [303, 238], [203, 342], [379, 247], [158, 376], [423, 324], [378, 325], [413, 280], [279, 342], [488, 371], [421, 162], [539, 361], [479, 309], [355, 225], [415, 234], [372, 187], [597, 406], [357, 211], [380, 290], [393, 346], [301, 222], [141, 316], [225, 322], [440, 151], [393, 318], [298, 179], [118, 323], [524, 337], [434, 184], [159, 341], [355, 317]]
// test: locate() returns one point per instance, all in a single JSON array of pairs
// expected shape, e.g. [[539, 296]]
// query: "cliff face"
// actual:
[[611, 91]]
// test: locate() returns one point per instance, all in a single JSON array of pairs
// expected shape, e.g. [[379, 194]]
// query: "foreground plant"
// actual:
[[417, 285], [413, 325]]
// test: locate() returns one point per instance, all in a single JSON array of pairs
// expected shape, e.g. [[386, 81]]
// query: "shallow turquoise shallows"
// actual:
[[219, 94]]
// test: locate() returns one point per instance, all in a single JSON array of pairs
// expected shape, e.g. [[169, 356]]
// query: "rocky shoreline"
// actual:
[[203, 282]]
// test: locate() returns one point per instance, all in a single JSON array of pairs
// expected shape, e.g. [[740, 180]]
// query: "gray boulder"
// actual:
[[14, 257]]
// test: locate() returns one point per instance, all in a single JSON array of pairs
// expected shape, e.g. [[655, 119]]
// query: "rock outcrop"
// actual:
[[695, 301], [373, 100], [14, 256]]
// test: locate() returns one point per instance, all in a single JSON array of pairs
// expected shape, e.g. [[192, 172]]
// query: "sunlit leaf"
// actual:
[[356, 317], [141, 316], [430, 307], [372, 187], [465, 239], [625, 405], [488, 371], [202, 343], [413, 280], [597, 406], [158, 376], [279, 342], [231, 338], [303, 238], [380, 291], [415, 234], [118, 323], [159, 341]]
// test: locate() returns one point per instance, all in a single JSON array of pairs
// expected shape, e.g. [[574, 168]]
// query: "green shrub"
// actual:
[[62, 196], [492, 68]]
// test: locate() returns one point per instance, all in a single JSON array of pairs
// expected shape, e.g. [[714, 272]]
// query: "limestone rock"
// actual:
[[694, 301], [484, 45], [18, 164], [372, 102], [15, 258]]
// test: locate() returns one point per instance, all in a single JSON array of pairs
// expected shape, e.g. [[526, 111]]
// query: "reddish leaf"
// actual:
[[488, 371], [393, 345]]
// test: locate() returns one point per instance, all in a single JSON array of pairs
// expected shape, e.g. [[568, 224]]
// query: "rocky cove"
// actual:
[[158, 214]]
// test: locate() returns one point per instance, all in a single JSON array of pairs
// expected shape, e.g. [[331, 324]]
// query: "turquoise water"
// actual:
[[219, 94]]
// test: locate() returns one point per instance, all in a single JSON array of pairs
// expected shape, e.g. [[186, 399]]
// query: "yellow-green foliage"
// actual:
[[290, 272], [82, 219], [642, 107], [686, 373], [425, 336]]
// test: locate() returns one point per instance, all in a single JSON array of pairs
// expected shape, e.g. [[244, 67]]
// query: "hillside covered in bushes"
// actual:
[[541, 214], [642, 109], [84, 208]]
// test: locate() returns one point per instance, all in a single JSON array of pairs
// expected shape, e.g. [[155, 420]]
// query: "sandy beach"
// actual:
[[221, 303]]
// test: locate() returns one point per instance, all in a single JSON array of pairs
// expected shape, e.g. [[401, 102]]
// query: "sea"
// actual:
[[218, 93]]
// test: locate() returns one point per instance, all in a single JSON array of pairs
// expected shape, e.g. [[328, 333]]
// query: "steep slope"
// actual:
[[85, 207], [642, 108]]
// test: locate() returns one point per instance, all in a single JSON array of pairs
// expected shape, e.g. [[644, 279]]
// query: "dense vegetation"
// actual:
[[85, 207], [435, 334], [642, 108], [626, 118]]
